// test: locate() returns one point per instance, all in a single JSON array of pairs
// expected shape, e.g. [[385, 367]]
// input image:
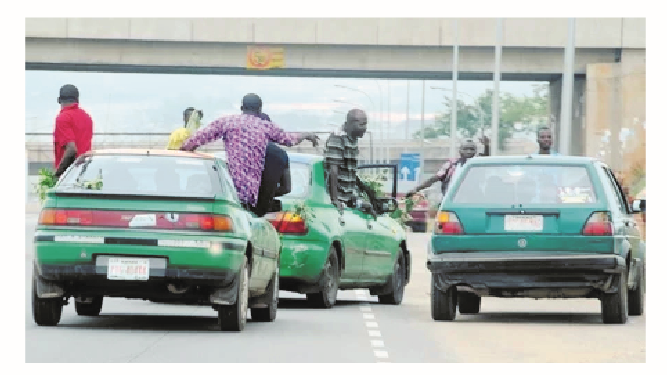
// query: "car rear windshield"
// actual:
[[141, 175], [301, 179], [526, 184]]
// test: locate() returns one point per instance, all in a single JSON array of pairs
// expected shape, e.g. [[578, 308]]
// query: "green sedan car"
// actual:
[[324, 251], [537, 227], [164, 226]]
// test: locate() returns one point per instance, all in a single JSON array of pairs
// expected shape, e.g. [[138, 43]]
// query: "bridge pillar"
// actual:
[[577, 133]]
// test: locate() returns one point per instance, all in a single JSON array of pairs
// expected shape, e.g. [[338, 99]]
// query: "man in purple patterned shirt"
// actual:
[[246, 137]]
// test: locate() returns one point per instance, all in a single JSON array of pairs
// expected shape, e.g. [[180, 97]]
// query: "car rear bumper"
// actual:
[[302, 260], [503, 274]]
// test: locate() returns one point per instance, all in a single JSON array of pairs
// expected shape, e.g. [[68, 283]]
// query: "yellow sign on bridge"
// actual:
[[261, 58]]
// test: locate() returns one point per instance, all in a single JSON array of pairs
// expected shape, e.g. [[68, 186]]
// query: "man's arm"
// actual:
[[64, 134], [212, 132], [333, 156], [67, 160], [278, 135], [487, 148], [435, 178]]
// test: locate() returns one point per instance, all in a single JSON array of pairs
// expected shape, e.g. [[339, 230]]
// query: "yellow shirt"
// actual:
[[177, 138]]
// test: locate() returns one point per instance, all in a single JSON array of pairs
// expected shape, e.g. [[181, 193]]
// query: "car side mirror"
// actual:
[[639, 205], [387, 205]]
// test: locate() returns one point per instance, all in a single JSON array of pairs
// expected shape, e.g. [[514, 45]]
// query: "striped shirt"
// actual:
[[343, 151]]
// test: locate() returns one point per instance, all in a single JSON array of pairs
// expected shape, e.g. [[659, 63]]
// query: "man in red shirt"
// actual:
[[73, 134]]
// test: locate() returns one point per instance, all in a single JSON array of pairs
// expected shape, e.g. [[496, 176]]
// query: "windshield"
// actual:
[[142, 175], [300, 174], [526, 184]]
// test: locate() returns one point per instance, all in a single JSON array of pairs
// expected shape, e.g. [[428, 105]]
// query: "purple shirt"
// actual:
[[245, 138]]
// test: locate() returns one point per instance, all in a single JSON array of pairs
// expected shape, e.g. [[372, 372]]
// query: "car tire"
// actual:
[[615, 306], [396, 283], [45, 311], [234, 317], [469, 303], [326, 298], [443, 304], [268, 314], [636, 297], [89, 309]]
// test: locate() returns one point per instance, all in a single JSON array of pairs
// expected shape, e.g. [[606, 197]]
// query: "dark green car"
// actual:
[[323, 252], [163, 226], [536, 227]]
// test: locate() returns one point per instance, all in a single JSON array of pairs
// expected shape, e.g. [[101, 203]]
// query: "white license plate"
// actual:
[[528, 223], [128, 269]]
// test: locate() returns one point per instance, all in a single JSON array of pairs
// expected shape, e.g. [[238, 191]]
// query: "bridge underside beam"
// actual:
[[399, 62]]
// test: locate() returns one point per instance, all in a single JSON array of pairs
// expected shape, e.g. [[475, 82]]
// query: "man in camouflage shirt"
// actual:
[[341, 159]]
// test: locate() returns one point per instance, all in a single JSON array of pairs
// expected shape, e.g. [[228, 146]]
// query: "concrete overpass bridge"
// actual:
[[607, 49]]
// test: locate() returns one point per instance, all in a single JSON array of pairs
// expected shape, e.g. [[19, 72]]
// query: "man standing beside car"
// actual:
[[73, 133]]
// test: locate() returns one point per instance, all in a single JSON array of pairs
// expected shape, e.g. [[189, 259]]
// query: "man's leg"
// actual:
[[274, 165]]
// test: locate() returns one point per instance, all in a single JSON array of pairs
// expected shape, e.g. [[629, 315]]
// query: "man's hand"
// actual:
[[339, 205], [312, 137]]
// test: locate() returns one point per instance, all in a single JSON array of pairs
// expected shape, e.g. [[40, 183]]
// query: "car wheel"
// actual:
[[89, 309], [636, 297], [45, 311], [233, 317], [268, 314], [326, 298], [443, 304], [396, 283], [469, 303], [615, 306]]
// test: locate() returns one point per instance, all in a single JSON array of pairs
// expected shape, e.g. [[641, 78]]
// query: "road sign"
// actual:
[[409, 167]]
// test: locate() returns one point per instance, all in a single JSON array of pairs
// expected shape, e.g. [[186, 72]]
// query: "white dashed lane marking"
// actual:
[[372, 327]]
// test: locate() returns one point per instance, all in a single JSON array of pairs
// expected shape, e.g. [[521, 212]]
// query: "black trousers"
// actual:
[[275, 164]]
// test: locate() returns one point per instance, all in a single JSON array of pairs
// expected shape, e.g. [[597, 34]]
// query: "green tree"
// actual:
[[528, 110]]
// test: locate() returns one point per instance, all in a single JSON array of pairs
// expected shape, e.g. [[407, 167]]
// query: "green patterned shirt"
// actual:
[[343, 151]]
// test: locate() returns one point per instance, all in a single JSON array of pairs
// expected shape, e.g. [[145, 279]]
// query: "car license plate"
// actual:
[[128, 269], [528, 223]]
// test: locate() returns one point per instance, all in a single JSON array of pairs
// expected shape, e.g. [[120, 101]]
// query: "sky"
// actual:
[[154, 103]]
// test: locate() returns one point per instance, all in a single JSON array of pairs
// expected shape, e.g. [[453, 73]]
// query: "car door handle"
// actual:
[[341, 221], [370, 226]]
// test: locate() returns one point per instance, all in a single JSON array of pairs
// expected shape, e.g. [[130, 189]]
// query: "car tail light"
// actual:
[[122, 219], [288, 222], [599, 224], [448, 223]]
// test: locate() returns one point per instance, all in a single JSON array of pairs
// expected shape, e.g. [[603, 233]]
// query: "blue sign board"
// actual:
[[409, 167]]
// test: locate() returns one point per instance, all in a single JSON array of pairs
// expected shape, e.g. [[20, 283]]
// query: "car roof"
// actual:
[[532, 159], [158, 152], [304, 158]]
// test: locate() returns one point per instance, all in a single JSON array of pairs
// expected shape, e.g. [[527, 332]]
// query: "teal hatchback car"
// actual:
[[537, 227]]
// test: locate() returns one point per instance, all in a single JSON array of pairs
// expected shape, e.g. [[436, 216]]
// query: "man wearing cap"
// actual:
[[73, 134], [246, 137]]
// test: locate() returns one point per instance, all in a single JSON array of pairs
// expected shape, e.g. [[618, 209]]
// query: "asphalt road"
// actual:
[[356, 330]]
